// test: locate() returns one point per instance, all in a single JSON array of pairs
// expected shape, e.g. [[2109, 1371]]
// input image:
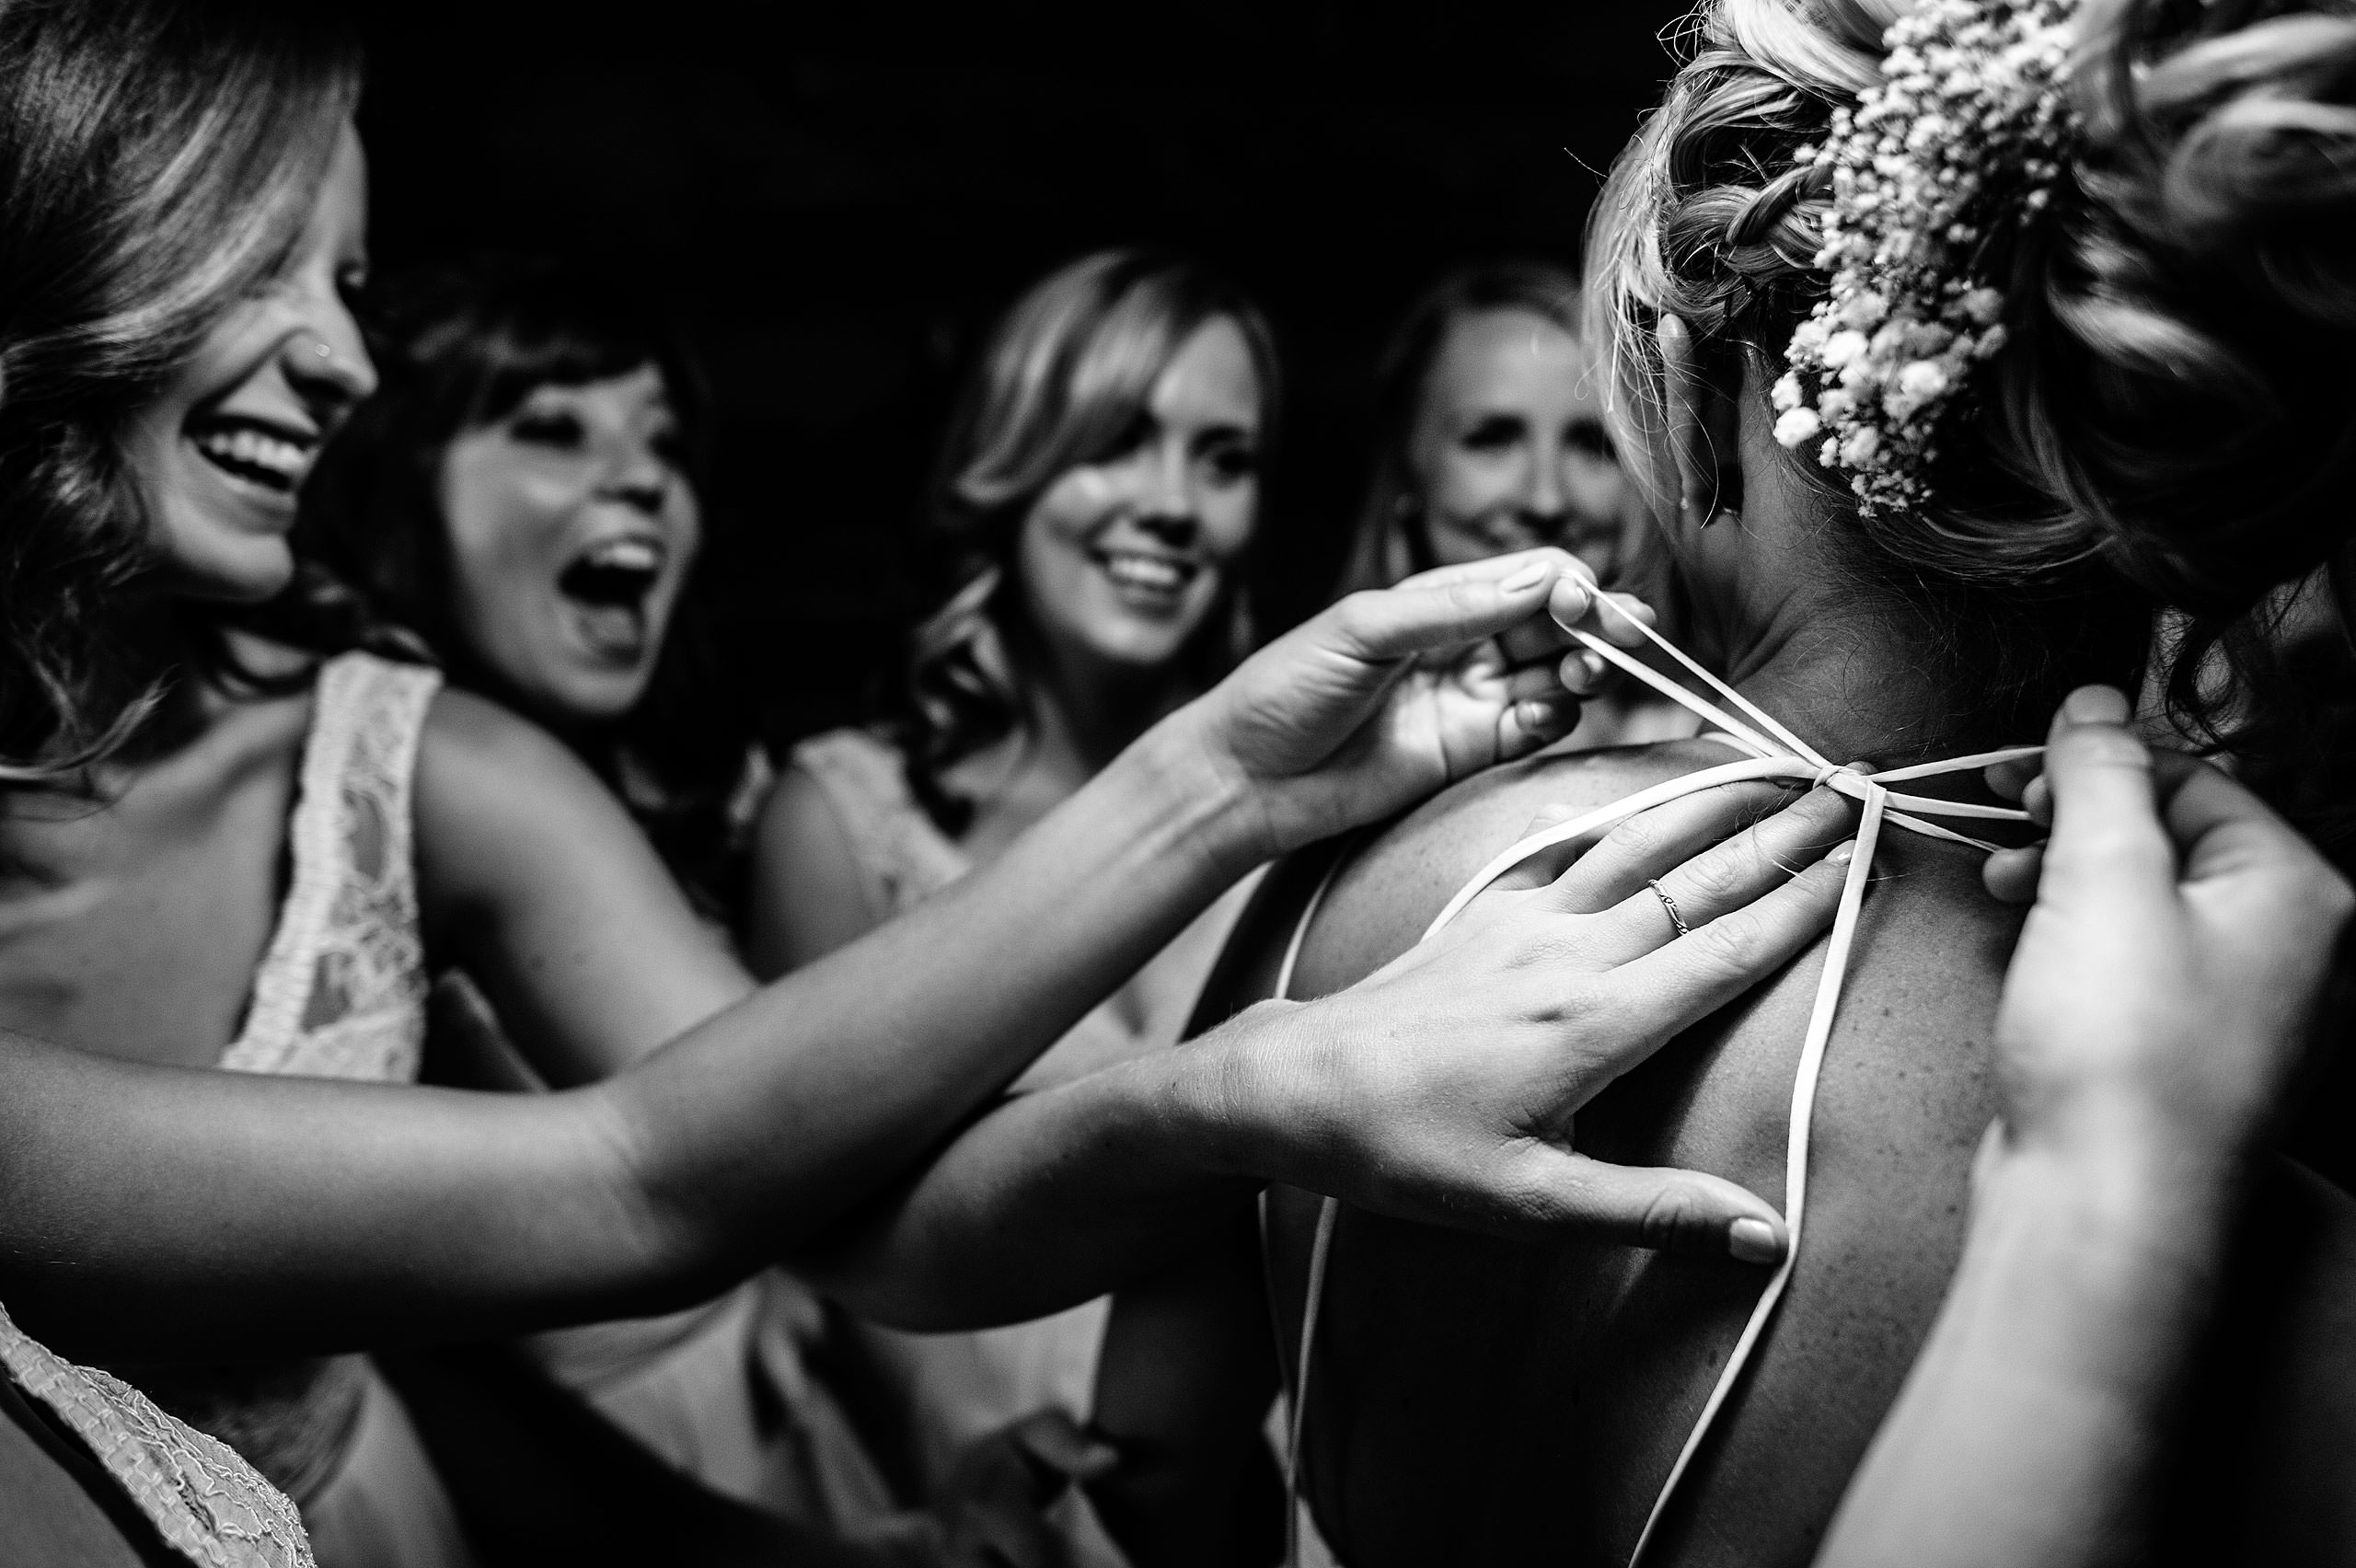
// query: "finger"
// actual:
[[1725, 878], [1534, 723], [1505, 567], [1664, 1209], [1383, 625], [1582, 672], [1677, 985], [1612, 617], [2237, 850], [2010, 875], [2007, 779], [1655, 843], [1054, 1440], [1535, 680], [2106, 816]]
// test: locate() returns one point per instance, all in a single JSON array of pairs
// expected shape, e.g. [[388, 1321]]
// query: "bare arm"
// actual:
[[2151, 1016], [286, 1213], [534, 879], [1064, 1194], [808, 895]]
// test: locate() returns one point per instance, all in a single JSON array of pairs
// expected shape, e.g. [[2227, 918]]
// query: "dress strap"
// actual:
[[903, 857], [1777, 753], [207, 1504], [341, 991]]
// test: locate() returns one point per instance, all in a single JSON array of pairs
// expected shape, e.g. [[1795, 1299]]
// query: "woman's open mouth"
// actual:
[[607, 587], [1145, 580], [271, 458]]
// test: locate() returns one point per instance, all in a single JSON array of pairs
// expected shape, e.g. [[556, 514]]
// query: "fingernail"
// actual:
[[2096, 705], [1843, 853], [1528, 577], [1754, 1241]]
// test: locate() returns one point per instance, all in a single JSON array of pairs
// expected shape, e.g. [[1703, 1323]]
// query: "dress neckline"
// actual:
[[1771, 750]]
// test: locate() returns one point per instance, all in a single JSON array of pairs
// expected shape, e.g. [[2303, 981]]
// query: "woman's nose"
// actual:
[[328, 361], [1169, 487], [638, 480], [1542, 489]]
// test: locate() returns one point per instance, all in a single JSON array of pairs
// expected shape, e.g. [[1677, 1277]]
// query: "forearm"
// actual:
[[771, 1120], [1061, 1195], [2028, 1432]]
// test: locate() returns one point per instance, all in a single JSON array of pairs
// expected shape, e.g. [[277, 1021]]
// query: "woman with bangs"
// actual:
[[243, 825], [1087, 555]]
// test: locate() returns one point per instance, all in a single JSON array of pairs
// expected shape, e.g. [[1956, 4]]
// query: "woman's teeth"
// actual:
[[270, 461], [615, 573], [1148, 573]]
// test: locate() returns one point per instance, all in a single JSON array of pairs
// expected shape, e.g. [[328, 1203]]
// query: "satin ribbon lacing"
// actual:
[[1773, 752]]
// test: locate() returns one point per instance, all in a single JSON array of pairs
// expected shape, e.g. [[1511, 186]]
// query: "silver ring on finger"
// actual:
[[1669, 906]]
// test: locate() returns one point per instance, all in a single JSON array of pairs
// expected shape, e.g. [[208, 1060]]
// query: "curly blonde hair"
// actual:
[[2169, 404]]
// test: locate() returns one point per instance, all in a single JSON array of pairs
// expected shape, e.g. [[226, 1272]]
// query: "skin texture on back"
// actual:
[[1476, 1399]]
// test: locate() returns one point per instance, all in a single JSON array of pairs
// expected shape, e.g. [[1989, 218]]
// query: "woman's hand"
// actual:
[[2181, 934], [1442, 1087], [1388, 696]]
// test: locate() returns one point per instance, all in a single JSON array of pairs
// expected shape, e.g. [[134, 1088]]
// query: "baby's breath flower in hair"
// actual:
[[1965, 134]]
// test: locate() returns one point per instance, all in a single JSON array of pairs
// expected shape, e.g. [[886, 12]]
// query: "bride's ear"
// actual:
[[1703, 422]]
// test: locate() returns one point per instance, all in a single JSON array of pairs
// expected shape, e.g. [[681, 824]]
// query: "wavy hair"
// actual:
[[1710, 216], [2172, 402], [458, 348], [1060, 384], [157, 161], [1392, 539]]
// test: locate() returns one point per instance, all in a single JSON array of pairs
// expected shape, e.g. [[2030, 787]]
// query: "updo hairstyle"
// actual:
[[2174, 400]]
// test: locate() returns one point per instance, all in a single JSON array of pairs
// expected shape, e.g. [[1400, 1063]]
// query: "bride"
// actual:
[[1878, 298]]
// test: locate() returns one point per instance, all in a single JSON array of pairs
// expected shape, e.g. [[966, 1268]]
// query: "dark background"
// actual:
[[836, 201]]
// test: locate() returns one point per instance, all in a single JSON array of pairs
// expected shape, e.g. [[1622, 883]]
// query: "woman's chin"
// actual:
[[248, 572]]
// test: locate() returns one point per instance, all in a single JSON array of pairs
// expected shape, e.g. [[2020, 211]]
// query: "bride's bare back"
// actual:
[[1476, 1401]]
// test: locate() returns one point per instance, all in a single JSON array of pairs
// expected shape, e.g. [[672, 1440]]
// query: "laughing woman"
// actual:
[[1093, 517], [525, 492], [233, 833]]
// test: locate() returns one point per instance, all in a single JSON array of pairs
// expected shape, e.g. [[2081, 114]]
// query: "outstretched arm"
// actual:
[[1440, 1088], [2154, 1010], [290, 1213]]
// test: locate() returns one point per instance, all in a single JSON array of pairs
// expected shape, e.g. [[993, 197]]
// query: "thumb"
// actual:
[[1448, 607], [1051, 1439], [1658, 1207], [2106, 813]]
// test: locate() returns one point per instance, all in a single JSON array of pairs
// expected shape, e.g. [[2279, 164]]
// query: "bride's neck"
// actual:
[[1848, 675]]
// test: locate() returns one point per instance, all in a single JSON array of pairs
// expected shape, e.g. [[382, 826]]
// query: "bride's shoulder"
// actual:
[[1388, 886]]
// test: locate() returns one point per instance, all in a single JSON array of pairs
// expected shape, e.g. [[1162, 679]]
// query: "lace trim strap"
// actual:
[[346, 965], [207, 1504], [903, 857]]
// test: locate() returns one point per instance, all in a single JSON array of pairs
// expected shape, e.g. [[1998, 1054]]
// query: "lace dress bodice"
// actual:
[[340, 993], [206, 1502]]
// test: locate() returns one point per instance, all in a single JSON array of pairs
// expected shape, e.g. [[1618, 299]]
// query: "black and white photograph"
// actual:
[[1262, 784]]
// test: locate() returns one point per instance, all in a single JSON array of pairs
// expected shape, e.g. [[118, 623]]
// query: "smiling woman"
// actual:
[[1098, 500], [526, 494]]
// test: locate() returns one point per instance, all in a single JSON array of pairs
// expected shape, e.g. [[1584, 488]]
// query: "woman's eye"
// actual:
[[1495, 433], [1588, 436], [547, 429], [352, 287], [671, 446], [1133, 438], [1232, 463]]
